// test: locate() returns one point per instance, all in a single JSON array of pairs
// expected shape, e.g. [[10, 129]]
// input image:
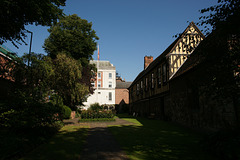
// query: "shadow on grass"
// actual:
[[15, 143], [155, 139], [67, 144], [101, 145]]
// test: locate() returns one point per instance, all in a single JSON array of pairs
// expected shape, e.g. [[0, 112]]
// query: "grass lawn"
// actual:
[[155, 139], [67, 144]]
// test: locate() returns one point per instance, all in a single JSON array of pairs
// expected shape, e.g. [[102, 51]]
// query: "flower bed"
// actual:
[[91, 114]]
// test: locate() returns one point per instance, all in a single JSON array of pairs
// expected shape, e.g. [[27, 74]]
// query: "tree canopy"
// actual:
[[67, 80], [225, 14], [222, 50], [15, 15], [73, 36]]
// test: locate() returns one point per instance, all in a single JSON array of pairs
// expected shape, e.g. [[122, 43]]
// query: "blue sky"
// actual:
[[128, 29]]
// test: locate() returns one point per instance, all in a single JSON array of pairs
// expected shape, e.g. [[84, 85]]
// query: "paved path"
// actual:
[[101, 145]]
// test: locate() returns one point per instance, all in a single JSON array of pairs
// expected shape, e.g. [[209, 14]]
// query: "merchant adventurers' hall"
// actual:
[[168, 89]]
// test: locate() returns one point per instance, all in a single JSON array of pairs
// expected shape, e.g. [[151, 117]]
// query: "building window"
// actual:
[[99, 83], [152, 80], [99, 92], [131, 93], [159, 78], [110, 75], [93, 84], [99, 75], [141, 86], [110, 84], [110, 96], [137, 89], [146, 84], [164, 74]]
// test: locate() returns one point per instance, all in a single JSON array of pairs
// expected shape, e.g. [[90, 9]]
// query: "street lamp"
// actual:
[[29, 58]]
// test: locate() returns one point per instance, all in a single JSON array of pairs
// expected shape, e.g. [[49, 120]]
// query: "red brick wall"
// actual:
[[121, 94], [3, 65]]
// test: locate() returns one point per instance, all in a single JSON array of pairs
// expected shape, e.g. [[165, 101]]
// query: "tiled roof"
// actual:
[[123, 85], [103, 64]]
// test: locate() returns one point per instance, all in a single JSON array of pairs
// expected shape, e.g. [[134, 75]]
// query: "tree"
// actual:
[[68, 80], [224, 18], [15, 15], [223, 50], [36, 80], [44, 76], [73, 36], [225, 15]]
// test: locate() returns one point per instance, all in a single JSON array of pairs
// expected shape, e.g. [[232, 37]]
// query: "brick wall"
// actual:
[[121, 94]]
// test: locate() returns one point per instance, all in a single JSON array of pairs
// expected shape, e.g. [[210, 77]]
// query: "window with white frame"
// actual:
[[110, 84], [110, 96], [99, 83], [110, 75], [99, 75]]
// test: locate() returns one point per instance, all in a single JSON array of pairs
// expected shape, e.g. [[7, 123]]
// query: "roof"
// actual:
[[105, 65], [123, 85], [162, 56], [7, 52]]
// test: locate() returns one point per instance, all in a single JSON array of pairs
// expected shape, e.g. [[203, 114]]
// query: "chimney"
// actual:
[[147, 61]]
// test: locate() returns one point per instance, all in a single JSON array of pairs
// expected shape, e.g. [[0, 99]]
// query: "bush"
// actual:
[[95, 107], [90, 114], [28, 114], [225, 144], [66, 112]]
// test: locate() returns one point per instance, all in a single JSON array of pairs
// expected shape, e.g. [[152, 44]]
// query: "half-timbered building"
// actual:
[[191, 83], [149, 92]]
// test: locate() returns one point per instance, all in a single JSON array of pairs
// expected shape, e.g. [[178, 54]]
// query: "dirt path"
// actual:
[[101, 144]]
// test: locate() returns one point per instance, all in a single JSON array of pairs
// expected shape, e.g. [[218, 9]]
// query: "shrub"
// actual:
[[28, 114], [90, 114], [56, 99], [95, 107], [66, 112]]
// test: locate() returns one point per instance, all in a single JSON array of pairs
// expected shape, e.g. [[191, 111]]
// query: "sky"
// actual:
[[128, 29]]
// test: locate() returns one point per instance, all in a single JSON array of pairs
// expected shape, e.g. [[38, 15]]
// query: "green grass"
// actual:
[[67, 144], [155, 139]]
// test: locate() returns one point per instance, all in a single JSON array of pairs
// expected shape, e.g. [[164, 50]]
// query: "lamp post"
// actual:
[[29, 54]]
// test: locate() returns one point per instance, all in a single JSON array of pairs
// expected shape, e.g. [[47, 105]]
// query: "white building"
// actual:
[[104, 86]]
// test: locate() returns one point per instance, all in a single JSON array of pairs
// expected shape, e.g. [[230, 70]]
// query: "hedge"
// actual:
[[90, 114]]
